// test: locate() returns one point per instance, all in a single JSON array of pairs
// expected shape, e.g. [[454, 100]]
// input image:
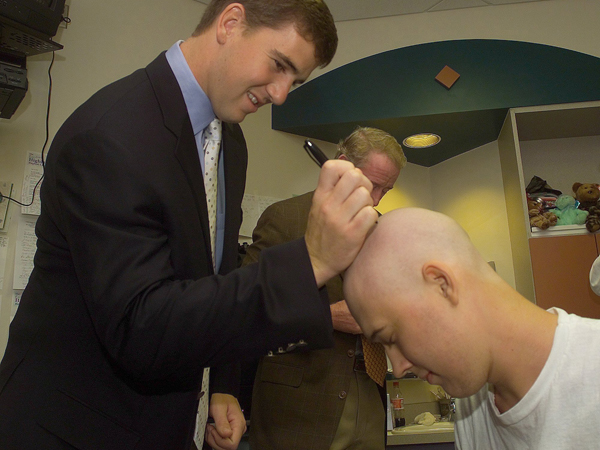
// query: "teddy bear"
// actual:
[[538, 218], [592, 221], [587, 194], [567, 212]]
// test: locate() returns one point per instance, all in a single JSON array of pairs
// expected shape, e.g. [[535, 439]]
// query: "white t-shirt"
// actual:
[[560, 411]]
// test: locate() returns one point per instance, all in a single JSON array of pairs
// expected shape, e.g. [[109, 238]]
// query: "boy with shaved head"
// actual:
[[527, 376]]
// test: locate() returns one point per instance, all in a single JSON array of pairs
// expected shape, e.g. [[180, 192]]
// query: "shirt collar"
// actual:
[[197, 103]]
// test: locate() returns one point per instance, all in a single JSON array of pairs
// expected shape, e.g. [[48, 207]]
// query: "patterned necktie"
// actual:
[[212, 144], [375, 360]]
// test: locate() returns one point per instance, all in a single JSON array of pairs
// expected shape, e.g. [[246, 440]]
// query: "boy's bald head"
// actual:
[[400, 245]]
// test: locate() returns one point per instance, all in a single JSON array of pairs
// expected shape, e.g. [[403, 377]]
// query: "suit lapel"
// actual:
[[193, 172], [235, 159], [176, 119]]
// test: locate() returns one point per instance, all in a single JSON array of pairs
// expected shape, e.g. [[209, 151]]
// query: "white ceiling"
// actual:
[[343, 10]]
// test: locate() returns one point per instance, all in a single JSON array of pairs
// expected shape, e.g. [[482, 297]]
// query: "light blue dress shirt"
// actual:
[[201, 114]]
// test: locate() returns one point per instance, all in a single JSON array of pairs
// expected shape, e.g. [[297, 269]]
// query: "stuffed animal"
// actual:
[[566, 211], [592, 221], [538, 218], [587, 194]]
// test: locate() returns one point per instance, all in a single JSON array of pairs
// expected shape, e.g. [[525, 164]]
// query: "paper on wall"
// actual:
[[34, 171], [252, 207], [16, 301], [3, 256], [24, 251], [6, 191]]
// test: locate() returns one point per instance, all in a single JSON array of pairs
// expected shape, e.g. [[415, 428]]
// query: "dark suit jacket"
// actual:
[[121, 315], [298, 399]]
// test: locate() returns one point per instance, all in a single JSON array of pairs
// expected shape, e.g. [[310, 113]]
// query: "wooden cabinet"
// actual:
[[561, 267], [560, 144]]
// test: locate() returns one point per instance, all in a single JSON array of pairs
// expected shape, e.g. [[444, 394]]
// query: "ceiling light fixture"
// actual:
[[421, 140]]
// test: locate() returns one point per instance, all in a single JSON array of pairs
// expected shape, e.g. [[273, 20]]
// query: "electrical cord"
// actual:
[[10, 199]]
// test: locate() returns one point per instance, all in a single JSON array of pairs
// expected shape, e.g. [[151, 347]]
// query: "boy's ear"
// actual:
[[441, 278]]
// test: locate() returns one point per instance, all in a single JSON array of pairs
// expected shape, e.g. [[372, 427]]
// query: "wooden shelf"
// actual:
[[562, 230]]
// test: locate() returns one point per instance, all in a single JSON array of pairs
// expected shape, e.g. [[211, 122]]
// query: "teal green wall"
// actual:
[[396, 91]]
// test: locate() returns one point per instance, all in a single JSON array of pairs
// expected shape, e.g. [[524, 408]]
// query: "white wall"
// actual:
[[571, 24], [469, 188], [110, 38]]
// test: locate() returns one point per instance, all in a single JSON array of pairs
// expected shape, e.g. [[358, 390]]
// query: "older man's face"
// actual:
[[382, 172]]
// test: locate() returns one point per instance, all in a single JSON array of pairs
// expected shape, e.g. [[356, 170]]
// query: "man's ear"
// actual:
[[231, 19], [343, 157], [441, 278]]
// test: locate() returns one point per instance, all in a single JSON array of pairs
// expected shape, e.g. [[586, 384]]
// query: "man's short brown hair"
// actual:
[[312, 20], [361, 142]]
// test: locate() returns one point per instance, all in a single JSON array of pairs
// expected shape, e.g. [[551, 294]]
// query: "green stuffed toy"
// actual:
[[566, 211]]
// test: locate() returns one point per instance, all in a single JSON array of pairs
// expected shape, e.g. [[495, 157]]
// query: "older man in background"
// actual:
[[324, 399]]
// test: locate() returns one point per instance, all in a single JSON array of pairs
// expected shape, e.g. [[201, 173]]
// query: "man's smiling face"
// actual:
[[258, 67]]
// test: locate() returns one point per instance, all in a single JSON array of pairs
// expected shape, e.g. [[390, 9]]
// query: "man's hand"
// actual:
[[230, 424], [341, 215], [342, 318]]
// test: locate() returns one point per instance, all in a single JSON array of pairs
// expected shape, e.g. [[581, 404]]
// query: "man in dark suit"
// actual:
[[322, 399], [125, 306]]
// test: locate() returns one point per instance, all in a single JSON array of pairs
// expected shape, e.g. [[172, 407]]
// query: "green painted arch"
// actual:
[[396, 91]]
